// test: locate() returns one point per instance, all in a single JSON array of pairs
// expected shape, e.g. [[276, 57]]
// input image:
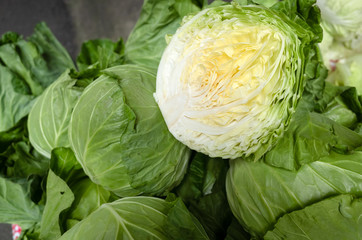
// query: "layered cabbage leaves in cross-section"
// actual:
[[235, 73]]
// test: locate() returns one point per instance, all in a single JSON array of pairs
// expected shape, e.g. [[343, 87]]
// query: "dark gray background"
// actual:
[[72, 22]]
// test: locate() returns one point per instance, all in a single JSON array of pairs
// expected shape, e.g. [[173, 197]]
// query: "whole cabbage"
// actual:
[[119, 137]]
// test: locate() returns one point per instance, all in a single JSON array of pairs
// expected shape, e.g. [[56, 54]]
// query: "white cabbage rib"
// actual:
[[222, 86]]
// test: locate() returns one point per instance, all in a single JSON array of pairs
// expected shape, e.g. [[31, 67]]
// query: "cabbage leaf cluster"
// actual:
[[212, 121]]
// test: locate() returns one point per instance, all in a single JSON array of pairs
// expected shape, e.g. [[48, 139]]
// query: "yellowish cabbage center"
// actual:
[[229, 72], [223, 86]]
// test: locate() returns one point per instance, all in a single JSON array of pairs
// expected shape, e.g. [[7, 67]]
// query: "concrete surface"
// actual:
[[102, 19], [5, 232], [22, 15], [72, 21]]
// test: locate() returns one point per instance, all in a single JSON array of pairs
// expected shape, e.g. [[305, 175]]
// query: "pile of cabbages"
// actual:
[[238, 120]]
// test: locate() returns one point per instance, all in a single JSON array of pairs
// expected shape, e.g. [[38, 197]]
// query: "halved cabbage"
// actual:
[[231, 77]]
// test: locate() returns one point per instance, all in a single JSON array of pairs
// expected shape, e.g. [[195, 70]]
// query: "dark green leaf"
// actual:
[[26, 69], [88, 196], [259, 194], [18, 159], [310, 137], [236, 232], [158, 18], [64, 164], [332, 218], [52, 59], [203, 191], [102, 53], [139, 218]]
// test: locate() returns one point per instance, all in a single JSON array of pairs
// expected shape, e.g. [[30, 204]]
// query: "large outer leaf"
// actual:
[[101, 112], [310, 137], [12, 60], [163, 160], [333, 218], [259, 194], [138, 218], [53, 58], [119, 137], [49, 117]]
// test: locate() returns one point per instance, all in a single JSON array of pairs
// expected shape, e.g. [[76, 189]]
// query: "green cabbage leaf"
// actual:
[[158, 19], [27, 67], [259, 194], [139, 218], [332, 218]]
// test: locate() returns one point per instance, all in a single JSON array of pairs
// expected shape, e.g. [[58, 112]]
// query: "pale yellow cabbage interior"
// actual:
[[225, 86], [229, 72]]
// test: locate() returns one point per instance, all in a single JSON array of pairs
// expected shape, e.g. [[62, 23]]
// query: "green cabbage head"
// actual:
[[119, 137], [231, 77]]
